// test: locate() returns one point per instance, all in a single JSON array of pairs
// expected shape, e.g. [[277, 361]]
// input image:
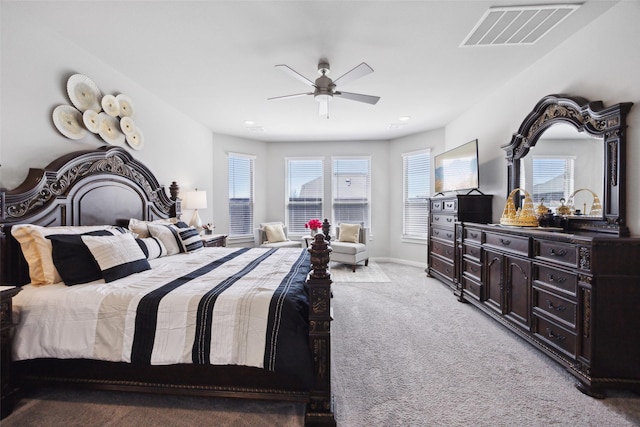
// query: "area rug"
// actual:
[[363, 274]]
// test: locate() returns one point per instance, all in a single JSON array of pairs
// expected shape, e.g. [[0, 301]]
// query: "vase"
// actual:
[[314, 231]]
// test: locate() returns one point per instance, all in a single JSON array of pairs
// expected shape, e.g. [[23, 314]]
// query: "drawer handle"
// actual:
[[472, 252], [449, 219], [474, 235], [448, 252], [556, 279], [556, 307], [505, 242], [561, 252], [475, 269], [436, 232], [449, 235], [556, 336]]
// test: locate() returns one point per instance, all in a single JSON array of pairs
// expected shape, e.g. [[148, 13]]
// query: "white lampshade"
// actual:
[[195, 200]]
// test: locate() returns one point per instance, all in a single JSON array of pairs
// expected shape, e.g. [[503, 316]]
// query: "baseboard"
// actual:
[[399, 261]]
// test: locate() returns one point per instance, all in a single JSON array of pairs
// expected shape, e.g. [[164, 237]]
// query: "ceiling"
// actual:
[[215, 60]]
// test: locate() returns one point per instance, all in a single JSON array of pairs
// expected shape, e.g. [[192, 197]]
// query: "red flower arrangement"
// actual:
[[313, 224]]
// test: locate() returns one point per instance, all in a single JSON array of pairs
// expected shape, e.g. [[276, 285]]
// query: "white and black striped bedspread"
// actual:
[[220, 306]]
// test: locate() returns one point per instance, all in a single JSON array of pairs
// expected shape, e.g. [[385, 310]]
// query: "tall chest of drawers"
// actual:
[[573, 296], [444, 212]]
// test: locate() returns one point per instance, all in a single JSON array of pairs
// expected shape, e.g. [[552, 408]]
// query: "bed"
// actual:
[[220, 322]]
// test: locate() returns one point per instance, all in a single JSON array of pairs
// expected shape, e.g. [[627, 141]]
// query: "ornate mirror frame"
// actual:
[[593, 118]]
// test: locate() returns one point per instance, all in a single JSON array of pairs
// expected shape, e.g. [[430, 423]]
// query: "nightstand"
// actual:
[[214, 240], [8, 391]]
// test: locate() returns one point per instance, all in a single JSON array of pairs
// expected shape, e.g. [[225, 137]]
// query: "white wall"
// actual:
[[600, 62]]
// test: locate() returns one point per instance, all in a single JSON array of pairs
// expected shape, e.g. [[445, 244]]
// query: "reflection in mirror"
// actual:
[[565, 168]]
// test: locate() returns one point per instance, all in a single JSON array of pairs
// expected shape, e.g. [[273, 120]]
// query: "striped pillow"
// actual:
[[152, 247], [118, 256], [176, 239]]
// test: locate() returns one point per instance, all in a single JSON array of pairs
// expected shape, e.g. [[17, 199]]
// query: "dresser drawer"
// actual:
[[442, 249], [513, 244], [472, 288], [450, 205], [472, 252], [472, 269], [443, 267], [443, 220], [443, 234], [561, 253], [472, 235], [437, 205], [555, 335], [556, 307], [556, 279]]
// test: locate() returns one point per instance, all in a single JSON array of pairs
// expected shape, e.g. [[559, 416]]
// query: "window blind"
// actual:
[[305, 189], [241, 184], [417, 187], [553, 179], [351, 190]]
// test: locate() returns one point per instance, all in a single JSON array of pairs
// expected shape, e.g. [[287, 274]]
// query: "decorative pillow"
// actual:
[[37, 249], [274, 233], [117, 256], [72, 257], [152, 247], [349, 233], [175, 239], [140, 227]]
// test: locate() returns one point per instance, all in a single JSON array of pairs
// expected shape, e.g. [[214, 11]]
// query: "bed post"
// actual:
[[320, 407]]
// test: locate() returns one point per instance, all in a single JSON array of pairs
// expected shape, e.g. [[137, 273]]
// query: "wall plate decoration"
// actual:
[[127, 125], [84, 93], [110, 130], [110, 105], [126, 106], [68, 121], [136, 140], [92, 121]]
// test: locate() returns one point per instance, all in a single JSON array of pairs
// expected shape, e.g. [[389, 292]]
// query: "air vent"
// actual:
[[523, 25]]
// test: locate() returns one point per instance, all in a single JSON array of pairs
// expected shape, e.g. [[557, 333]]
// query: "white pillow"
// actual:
[[140, 227], [176, 239], [117, 256], [37, 249], [349, 233], [152, 247], [274, 233]]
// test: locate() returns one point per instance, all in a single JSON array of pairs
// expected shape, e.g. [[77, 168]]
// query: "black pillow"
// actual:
[[72, 258]]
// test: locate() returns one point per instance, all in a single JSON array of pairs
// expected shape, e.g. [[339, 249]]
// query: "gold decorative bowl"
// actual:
[[596, 206], [525, 216]]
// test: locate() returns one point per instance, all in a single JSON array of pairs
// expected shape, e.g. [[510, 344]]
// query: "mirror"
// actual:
[[565, 169], [563, 128]]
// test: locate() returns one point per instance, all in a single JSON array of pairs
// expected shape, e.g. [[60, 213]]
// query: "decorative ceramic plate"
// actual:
[[110, 130], [92, 121], [126, 106], [110, 105], [136, 140], [84, 93], [68, 121], [127, 125]]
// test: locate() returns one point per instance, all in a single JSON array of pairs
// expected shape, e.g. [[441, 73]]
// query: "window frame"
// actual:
[[291, 229], [367, 221], [252, 166], [410, 236]]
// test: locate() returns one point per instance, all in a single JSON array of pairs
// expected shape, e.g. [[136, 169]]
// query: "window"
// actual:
[[417, 187], [304, 193], [552, 179], [351, 190], [240, 195]]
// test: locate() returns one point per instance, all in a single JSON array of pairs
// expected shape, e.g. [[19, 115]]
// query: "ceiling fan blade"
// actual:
[[295, 75], [358, 97], [359, 71], [296, 95], [323, 108]]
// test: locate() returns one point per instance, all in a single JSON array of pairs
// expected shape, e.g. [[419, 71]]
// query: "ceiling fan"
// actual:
[[324, 89]]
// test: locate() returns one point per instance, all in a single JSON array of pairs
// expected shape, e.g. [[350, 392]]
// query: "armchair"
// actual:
[[352, 248], [274, 235]]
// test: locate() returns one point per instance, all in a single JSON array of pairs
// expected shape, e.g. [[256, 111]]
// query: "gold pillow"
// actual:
[[275, 233], [349, 233]]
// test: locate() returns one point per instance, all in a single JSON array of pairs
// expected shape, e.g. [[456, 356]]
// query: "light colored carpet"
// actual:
[[363, 274], [404, 354]]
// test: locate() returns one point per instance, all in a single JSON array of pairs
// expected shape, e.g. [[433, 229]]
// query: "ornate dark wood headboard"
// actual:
[[93, 187]]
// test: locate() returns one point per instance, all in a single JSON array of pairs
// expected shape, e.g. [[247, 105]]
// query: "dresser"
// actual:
[[444, 212], [574, 296], [214, 240]]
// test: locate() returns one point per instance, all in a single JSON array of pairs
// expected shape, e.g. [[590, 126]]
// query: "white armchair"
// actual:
[[353, 247], [274, 235]]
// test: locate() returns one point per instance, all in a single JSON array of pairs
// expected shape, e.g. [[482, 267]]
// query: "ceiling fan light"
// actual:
[[323, 97]]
